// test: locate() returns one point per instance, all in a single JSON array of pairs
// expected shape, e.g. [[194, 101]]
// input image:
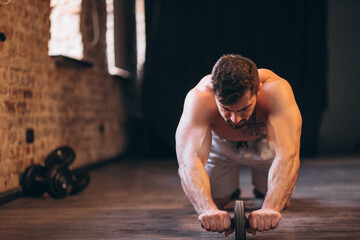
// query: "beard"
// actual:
[[237, 126]]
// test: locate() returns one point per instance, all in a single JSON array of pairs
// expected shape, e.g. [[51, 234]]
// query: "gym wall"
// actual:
[[339, 133], [73, 105], [185, 39]]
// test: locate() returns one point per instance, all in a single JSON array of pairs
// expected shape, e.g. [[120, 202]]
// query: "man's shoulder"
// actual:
[[271, 83], [204, 84], [201, 100], [275, 92], [266, 75], [275, 87], [201, 92]]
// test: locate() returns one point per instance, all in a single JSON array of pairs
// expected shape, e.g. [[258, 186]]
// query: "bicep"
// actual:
[[284, 132], [193, 135], [193, 141], [284, 123]]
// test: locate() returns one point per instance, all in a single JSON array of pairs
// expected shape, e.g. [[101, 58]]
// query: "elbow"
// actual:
[[177, 133], [181, 166], [294, 156], [181, 172]]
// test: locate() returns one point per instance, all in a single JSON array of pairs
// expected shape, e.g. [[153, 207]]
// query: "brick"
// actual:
[[10, 106], [3, 123], [12, 137], [4, 75], [21, 107], [27, 94], [42, 107], [4, 90], [17, 93], [12, 50], [24, 121], [31, 80], [46, 132], [44, 120], [32, 107], [27, 150], [14, 153]]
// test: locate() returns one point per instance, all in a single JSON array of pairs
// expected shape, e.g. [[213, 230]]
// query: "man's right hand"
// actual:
[[216, 221]]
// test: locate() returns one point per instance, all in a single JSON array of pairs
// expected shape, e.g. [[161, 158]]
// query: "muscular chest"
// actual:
[[254, 128]]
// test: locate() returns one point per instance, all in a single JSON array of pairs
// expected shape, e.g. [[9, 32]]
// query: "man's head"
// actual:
[[235, 83], [231, 76]]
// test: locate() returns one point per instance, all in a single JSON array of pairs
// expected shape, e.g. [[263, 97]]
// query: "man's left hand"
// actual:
[[263, 220]]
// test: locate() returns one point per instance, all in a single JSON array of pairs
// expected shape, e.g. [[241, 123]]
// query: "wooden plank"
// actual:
[[143, 199]]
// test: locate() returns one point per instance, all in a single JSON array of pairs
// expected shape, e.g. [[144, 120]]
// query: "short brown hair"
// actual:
[[231, 76]]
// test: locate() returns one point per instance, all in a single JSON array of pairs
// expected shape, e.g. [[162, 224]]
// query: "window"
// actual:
[[66, 37], [140, 34], [126, 48], [65, 32]]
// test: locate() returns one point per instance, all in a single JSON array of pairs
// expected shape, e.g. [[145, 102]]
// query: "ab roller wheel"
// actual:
[[240, 223]]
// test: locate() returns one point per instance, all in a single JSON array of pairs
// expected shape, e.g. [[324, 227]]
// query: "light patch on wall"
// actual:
[[3, 3], [140, 34], [110, 42], [65, 32], [110, 52]]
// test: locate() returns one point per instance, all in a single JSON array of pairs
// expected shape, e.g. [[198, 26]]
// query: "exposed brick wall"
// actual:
[[64, 106]]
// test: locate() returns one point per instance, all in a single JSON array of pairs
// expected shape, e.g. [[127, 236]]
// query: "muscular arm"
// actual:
[[193, 141], [284, 129]]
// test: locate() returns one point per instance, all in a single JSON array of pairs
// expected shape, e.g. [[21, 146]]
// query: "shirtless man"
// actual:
[[239, 115]]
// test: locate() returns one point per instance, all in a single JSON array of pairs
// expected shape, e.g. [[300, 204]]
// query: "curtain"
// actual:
[[185, 38]]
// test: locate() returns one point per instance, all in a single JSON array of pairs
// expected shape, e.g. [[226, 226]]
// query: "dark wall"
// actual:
[[185, 38], [340, 127]]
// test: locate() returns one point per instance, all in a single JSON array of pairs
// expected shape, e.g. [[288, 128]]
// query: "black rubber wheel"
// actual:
[[81, 180], [59, 182], [62, 156], [32, 181], [240, 220]]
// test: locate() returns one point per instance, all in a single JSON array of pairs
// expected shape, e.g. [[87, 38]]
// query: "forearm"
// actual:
[[282, 178], [196, 185]]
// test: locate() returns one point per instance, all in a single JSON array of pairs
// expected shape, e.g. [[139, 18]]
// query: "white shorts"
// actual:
[[223, 165]]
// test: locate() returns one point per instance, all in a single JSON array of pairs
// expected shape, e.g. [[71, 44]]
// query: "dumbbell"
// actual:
[[37, 180], [239, 222], [55, 178]]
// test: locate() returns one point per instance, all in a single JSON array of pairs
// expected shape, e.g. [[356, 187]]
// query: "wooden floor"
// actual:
[[143, 199]]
